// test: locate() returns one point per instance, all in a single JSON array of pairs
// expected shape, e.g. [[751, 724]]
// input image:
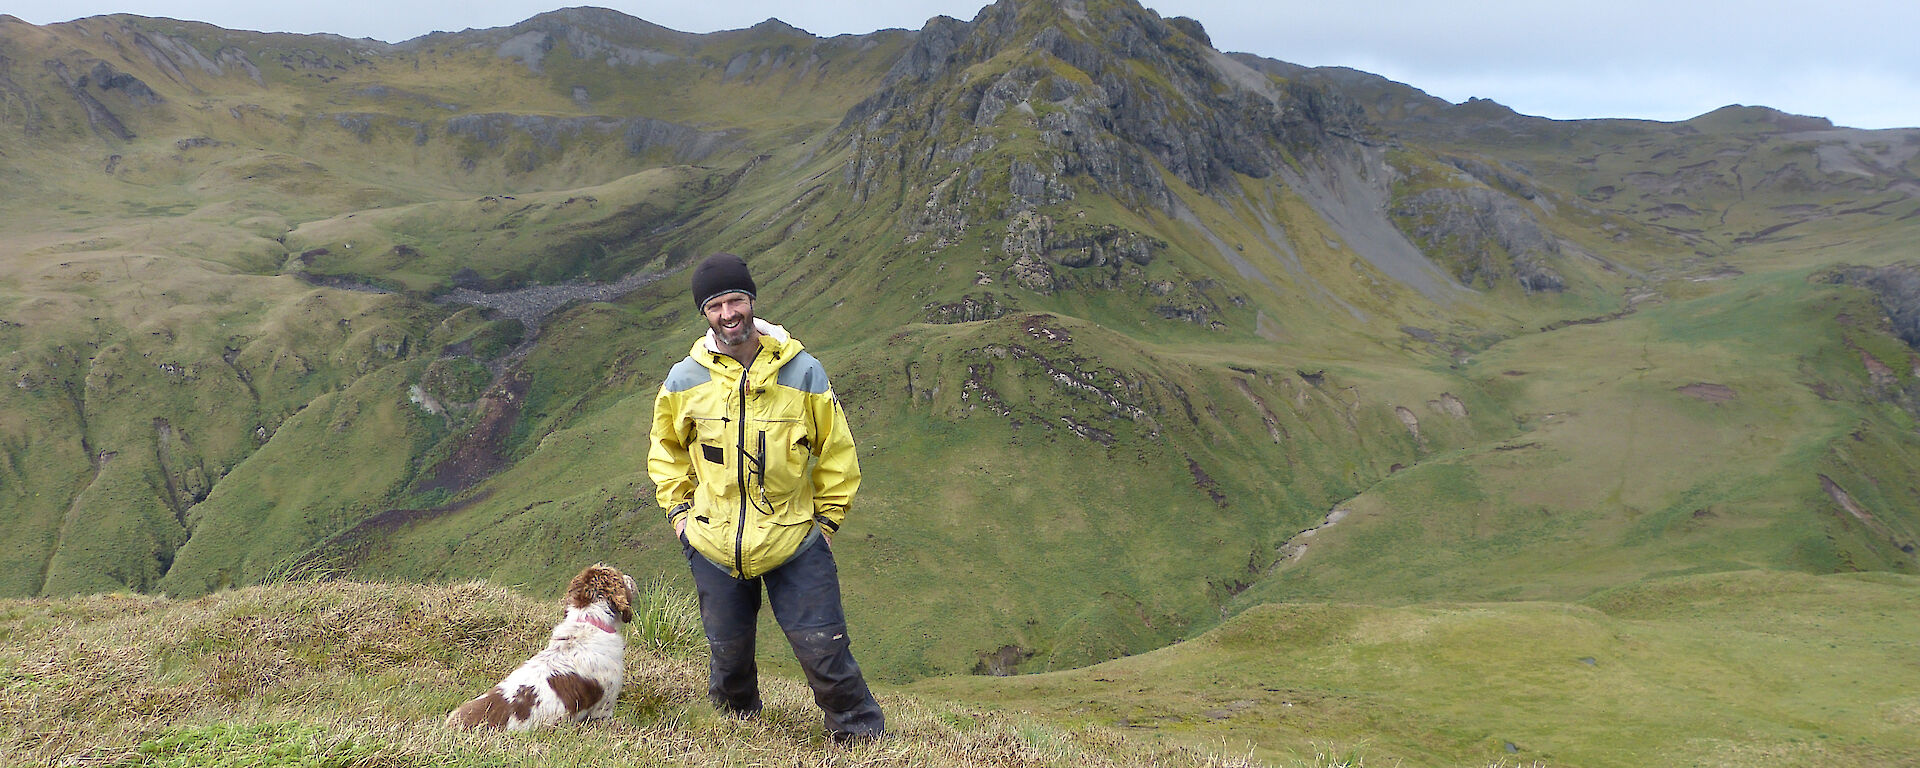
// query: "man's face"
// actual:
[[730, 315]]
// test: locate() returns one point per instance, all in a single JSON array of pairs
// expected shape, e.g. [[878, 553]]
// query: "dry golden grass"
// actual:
[[357, 674]]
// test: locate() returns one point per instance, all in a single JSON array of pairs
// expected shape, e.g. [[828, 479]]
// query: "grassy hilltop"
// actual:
[[1682, 671], [1143, 344], [362, 674]]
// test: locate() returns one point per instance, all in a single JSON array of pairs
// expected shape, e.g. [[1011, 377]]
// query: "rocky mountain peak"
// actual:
[[1108, 91]]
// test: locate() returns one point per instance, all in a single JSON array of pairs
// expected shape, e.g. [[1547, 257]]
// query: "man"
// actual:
[[752, 459]]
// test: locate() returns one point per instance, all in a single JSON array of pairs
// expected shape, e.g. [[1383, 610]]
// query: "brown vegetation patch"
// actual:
[[1038, 327], [1596, 320], [1267, 417], [1712, 393], [1205, 482]]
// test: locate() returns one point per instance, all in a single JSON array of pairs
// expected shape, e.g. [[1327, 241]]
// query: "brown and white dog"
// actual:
[[578, 676]]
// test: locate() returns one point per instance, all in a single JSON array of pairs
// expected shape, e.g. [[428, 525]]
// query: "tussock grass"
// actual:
[[360, 674], [666, 622]]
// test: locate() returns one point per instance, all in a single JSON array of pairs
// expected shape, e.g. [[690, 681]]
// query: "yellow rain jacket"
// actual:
[[762, 454]]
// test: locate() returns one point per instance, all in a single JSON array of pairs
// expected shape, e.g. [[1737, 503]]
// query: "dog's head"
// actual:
[[604, 582]]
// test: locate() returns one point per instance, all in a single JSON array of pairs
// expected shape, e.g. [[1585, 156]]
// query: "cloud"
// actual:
[[1851, 60]]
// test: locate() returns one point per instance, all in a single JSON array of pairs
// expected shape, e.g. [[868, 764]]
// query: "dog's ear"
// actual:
[[633, 593], [577, 591], [619, 594]]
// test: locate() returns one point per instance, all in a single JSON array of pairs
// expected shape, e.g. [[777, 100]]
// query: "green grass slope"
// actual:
[[139, 381], [1690, 436], [1747, 668]]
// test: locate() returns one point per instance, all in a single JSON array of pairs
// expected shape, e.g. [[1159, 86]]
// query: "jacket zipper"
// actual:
[[739, 460]]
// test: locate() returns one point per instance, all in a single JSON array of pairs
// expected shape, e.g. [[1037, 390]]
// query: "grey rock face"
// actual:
[[1484, 235], [1898, 288], [529, 47], [1104, 121], [98, 116], [969, 309], [106, 78], [1031, 236], [235, 58]]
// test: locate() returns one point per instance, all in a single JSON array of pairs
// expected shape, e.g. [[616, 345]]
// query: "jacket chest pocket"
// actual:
[[782, 447], [714, 460]]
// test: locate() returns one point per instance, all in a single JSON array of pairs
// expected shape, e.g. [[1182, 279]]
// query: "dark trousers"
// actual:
[[805, 593]]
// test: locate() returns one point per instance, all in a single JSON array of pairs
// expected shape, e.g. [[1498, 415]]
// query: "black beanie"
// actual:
[[720, 273]]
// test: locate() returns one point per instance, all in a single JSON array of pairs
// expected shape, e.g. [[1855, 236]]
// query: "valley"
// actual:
[[1243, 406]]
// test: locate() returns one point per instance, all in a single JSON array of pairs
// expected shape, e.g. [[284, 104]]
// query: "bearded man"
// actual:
[[753, 462]]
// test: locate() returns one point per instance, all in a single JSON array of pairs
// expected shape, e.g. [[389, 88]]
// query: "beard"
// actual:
[[736, 335]]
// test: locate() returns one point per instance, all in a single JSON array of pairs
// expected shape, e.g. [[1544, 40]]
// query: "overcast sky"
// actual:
[[1854, 61]]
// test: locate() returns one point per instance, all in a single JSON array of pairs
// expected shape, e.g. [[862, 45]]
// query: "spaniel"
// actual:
[[578, 676]]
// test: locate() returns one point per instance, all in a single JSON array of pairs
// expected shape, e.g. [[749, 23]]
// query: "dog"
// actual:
[[578, 676]]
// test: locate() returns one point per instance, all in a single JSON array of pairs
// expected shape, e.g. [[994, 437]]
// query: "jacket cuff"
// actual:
[[678, 510]]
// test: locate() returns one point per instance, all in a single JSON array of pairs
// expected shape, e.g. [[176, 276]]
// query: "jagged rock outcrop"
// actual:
[[103, 76], [101, 119], [969, 309], [1078, 81], [1898, 288], [1075, 244], [1483, 235], [1033, 109]]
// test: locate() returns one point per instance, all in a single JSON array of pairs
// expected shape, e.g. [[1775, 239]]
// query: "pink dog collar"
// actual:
[[595, 620]]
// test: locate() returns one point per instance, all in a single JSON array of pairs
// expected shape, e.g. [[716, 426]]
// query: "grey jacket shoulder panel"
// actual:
[[803, 373], [687, 374]]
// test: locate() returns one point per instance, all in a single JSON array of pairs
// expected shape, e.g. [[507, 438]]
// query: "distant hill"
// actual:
[[1135, 335]]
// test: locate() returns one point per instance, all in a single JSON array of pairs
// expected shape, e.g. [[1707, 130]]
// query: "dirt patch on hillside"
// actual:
[[1295, 547], [1712, 393], [1205, 482], [1844, 499], [1004, 662], [482, 451], [1852, 507]]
